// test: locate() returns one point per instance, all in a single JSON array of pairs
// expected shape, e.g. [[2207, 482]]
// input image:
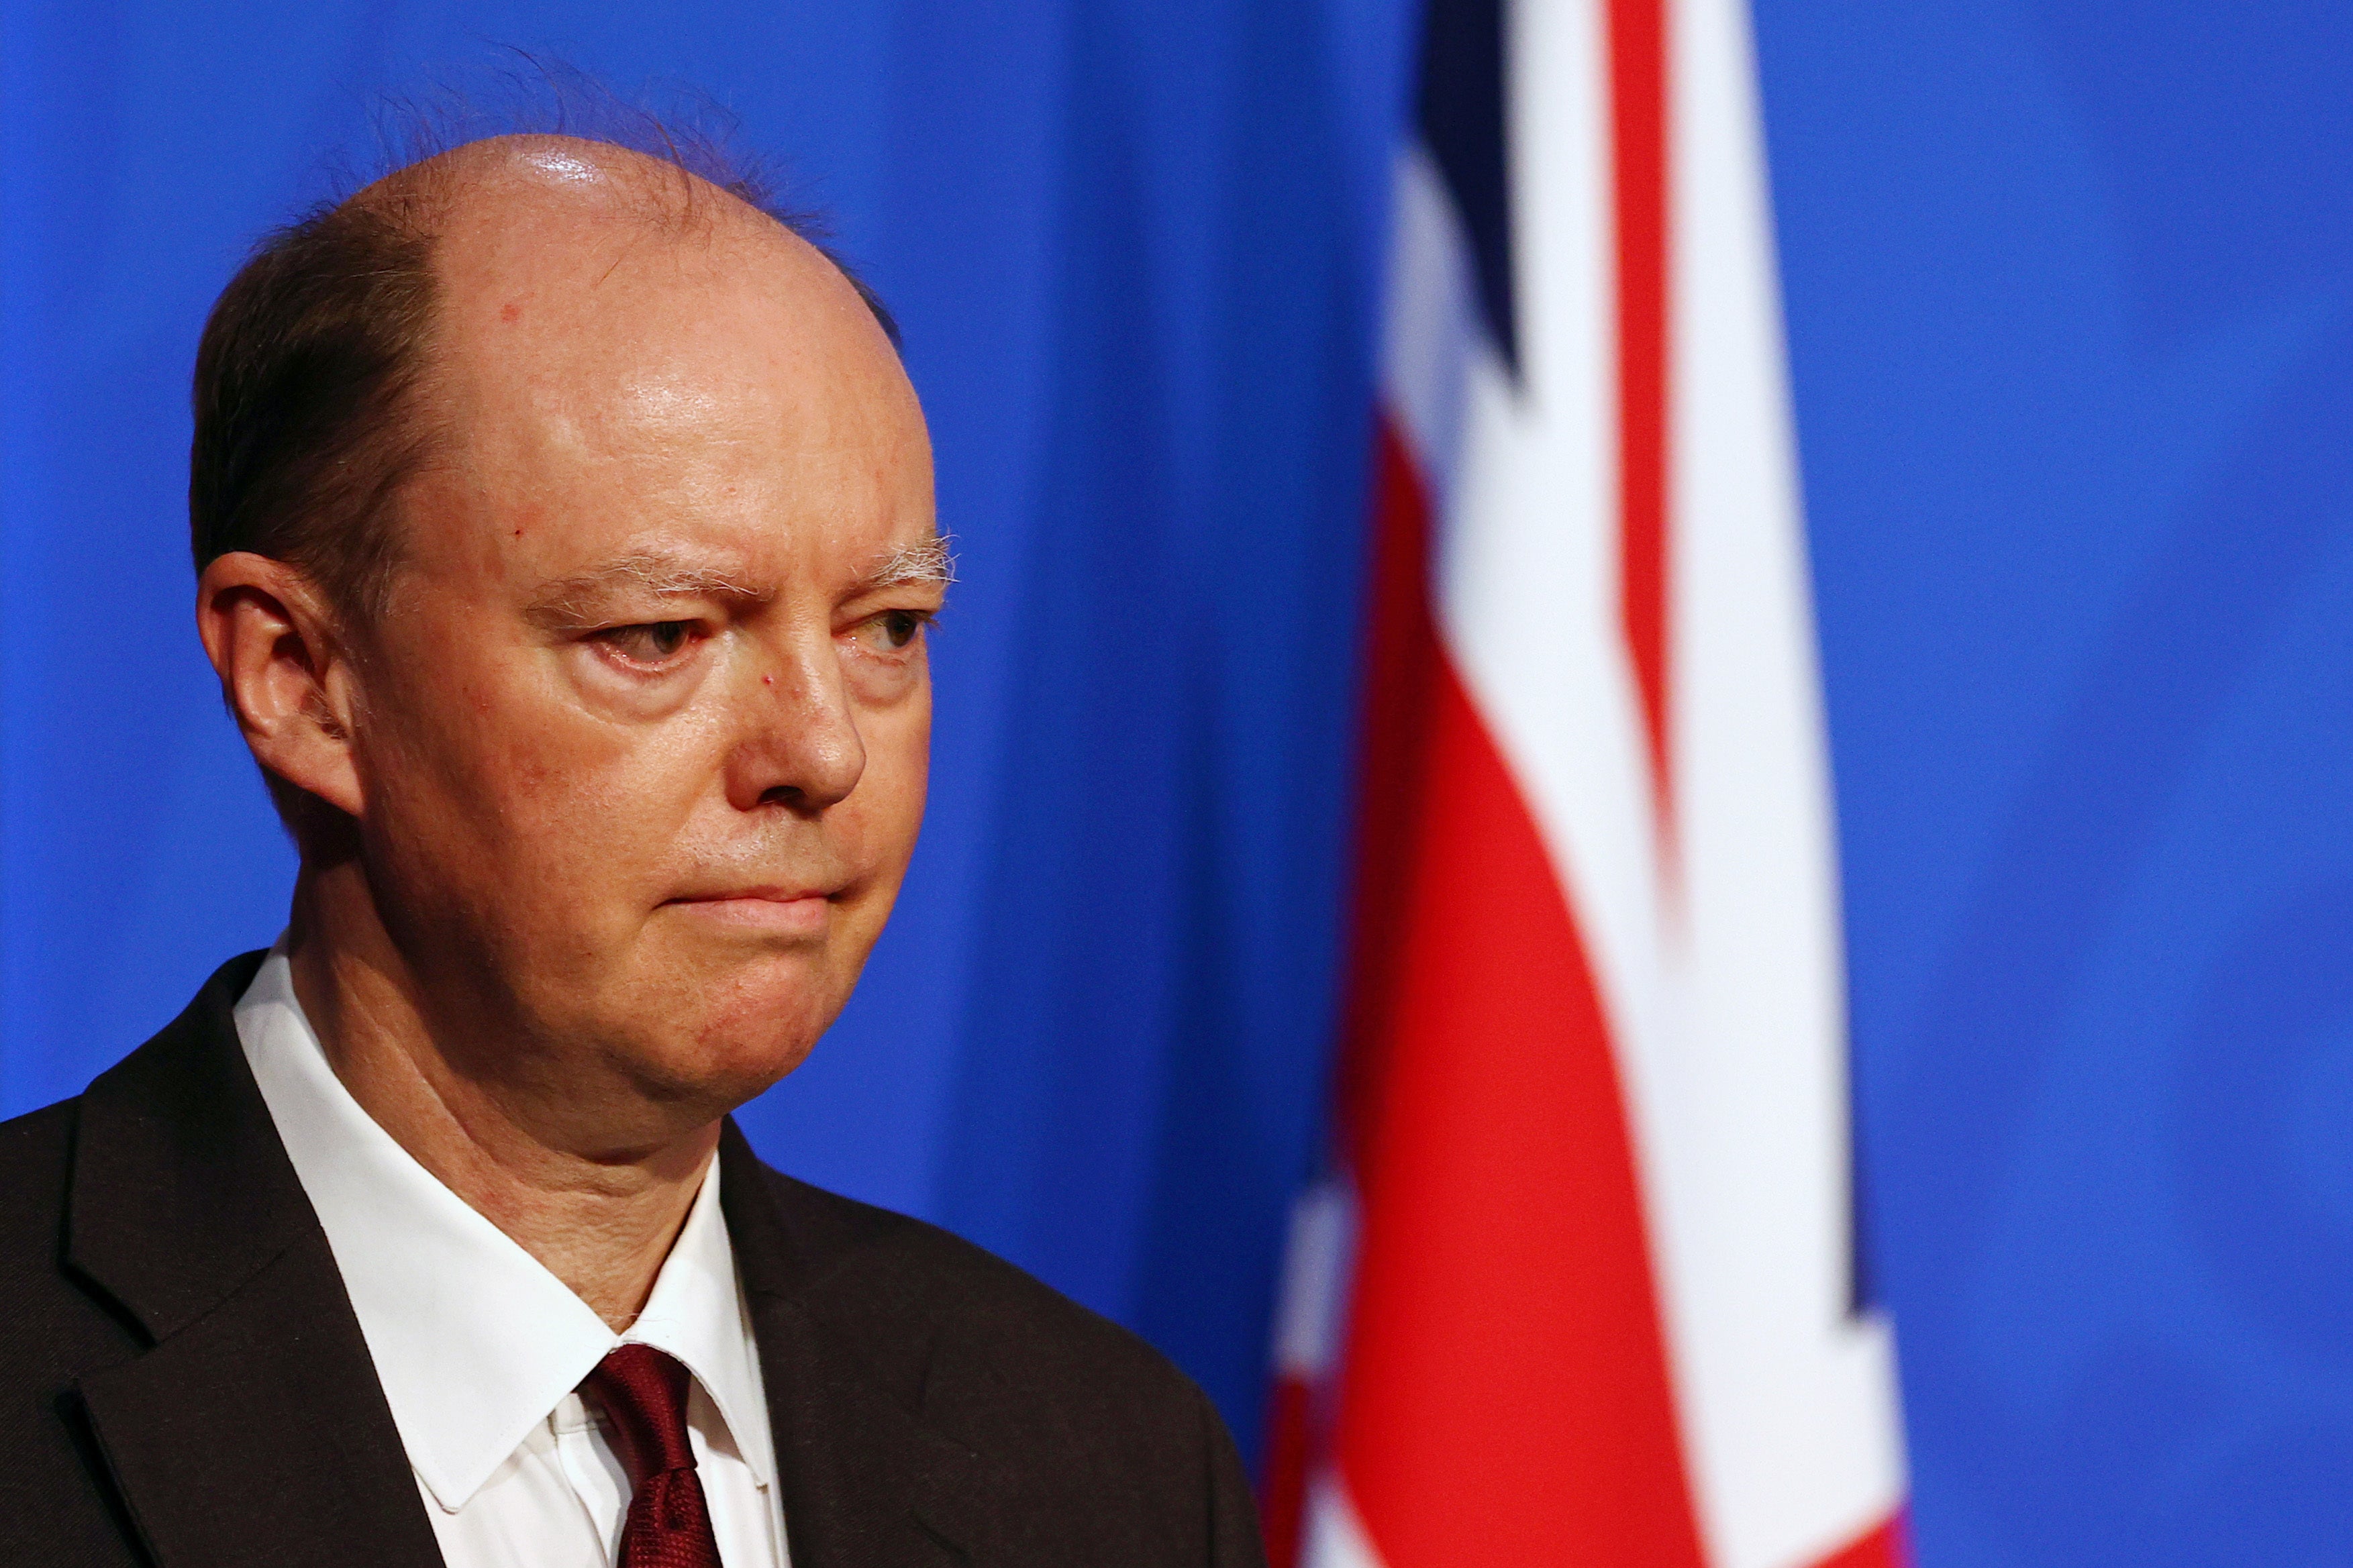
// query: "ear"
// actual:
[[284, 672]]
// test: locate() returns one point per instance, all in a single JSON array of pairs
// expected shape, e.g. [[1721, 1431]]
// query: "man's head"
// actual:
[[575, 611]]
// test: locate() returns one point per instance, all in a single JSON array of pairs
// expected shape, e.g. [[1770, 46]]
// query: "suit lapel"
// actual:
[[866, 1484], [252, 1430]]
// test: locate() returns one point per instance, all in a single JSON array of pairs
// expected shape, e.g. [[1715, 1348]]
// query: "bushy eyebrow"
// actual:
[[580, 600], [931, 562]]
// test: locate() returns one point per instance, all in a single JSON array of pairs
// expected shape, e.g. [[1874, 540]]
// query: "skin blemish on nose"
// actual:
[[767, 680], [510, 311]]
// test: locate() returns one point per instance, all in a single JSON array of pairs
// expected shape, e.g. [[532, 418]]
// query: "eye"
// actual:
[[655, 642], [891, 630]]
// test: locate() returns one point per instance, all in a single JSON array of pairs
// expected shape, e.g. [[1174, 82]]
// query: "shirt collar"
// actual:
[[474, 1341], [698, 1314]]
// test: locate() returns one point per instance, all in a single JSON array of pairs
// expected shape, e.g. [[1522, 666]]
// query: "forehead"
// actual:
[[603, 362]]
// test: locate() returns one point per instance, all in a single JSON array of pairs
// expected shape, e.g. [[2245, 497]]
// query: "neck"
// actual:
[[600, 1213]]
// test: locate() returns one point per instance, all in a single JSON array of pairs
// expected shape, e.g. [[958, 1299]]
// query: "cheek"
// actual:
[[898, 768], [599, 816], [543, 811]]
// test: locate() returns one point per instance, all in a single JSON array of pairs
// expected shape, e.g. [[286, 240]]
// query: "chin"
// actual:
[[702, 1072], [737, 1035]]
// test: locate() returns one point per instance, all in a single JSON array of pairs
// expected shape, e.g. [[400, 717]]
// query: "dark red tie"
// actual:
[[642, 1392]]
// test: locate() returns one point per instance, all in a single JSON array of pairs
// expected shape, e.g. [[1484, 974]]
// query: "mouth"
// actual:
[[778, 911]]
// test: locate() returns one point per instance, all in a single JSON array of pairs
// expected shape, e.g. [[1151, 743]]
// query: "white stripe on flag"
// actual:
[[1314, 1281], [1789, 1404], [1336, 1538]]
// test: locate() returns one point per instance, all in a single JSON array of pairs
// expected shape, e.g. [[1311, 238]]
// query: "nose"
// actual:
[[799, 746]]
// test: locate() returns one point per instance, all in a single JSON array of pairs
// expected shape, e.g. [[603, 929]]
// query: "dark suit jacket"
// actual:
[[182, 1380]]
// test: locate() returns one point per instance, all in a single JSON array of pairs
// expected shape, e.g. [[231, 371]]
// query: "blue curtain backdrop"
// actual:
[[2070, 290], [2071, 309]]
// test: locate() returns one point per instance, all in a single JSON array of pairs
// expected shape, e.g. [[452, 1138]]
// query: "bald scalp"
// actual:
[[315, 390], [563, 173]]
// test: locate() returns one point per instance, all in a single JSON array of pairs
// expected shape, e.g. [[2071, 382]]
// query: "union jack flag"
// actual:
[[1579, 1284]]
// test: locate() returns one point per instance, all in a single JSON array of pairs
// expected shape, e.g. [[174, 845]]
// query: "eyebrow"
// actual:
[[578, 600], [931, 562]]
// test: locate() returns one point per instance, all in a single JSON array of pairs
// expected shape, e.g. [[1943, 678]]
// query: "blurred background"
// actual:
[[2069, 301]]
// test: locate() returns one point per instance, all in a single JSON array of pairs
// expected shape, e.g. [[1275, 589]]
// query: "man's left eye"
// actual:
[[650, 643], [893, 629]]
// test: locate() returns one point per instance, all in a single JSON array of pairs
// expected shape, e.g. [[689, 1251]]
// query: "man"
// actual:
[[565, 538]]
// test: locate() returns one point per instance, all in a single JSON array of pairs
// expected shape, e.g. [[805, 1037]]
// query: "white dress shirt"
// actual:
[[479, 1348]]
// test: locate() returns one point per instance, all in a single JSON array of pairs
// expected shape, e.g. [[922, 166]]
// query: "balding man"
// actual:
[[564, 530]]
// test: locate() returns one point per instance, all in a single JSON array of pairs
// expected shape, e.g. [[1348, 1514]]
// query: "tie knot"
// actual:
[[642, 1392]]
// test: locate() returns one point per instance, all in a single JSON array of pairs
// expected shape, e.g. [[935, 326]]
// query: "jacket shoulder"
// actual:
[[894, 1280], [39, 1139], [36, 1163], [1080, 1411]]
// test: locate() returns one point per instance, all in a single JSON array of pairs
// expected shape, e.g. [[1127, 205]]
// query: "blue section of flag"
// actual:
[[1461, 114]]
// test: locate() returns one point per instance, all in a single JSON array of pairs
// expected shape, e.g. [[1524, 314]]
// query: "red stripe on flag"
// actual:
[[1505, 1399], [1283, 1490], [1885, 1547], [1637, 123], [1401, 665]]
